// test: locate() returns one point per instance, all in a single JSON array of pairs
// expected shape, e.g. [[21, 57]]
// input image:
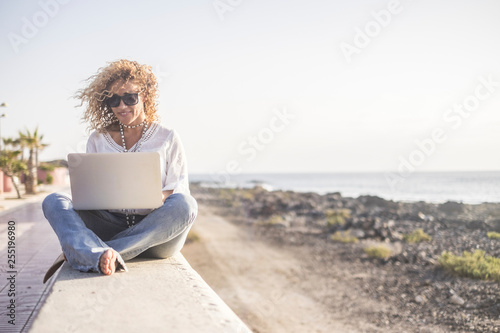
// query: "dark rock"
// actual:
[[476, 225], [335, 196], [494, 225], [451, 207], [374, 201]]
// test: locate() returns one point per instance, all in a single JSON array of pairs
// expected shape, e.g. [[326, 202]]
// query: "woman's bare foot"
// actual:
[[107, 262]]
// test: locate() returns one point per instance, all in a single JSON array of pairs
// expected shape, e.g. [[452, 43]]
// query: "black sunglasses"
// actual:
[[128, 99]]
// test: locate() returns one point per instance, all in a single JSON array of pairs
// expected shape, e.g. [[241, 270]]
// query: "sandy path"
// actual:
[[259, 282]]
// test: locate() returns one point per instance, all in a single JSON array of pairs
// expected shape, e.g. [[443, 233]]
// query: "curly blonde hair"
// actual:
[[98, 114]]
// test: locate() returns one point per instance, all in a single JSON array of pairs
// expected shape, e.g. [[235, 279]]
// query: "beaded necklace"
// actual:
[[139, 145]]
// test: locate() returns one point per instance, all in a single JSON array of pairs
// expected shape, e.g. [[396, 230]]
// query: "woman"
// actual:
[[121, 108]]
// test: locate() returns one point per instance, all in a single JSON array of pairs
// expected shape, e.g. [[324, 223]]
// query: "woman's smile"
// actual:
[[124, 113]]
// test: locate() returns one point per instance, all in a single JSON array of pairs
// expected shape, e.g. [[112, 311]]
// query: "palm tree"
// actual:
[[12, 144], [32, 141], [10, 163]]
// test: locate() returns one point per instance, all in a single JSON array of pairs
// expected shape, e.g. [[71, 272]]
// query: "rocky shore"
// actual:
[[408, 280]]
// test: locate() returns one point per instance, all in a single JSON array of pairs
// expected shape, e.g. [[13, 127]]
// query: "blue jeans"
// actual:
[[86, 234]]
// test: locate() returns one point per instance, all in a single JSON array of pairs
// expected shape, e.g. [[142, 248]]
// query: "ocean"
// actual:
[[437, 187]]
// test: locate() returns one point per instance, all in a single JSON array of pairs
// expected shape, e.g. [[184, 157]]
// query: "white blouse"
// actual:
[[174, 175]]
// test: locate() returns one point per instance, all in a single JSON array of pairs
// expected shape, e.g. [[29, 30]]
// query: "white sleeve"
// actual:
[[177, 175], [91, 144]]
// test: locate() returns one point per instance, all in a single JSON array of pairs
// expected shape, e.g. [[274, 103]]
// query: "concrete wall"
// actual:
[[164, 295]]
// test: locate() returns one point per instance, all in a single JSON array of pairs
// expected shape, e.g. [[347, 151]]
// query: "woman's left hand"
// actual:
[[165, 194]]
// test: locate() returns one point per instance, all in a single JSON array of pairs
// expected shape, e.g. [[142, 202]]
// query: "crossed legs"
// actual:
[[161, 233]]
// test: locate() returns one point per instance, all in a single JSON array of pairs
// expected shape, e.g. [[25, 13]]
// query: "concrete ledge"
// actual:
[[154, 296]]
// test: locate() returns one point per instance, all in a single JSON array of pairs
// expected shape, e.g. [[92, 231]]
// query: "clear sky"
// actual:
[[272, 85]]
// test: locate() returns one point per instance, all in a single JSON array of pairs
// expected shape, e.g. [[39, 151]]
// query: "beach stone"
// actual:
[[384, 233], [396, 235], [422, 255], [370, 233], [403, 257], [426, 218], [432, 261], [358, 233], [419, 299], [455, 299]]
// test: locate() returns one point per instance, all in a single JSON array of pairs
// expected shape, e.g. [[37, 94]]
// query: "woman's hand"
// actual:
[[165, 194]]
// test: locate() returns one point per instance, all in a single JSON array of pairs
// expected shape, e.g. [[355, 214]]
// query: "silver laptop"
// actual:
[[115, 180]]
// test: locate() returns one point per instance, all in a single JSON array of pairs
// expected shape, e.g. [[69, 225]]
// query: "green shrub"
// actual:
[[274, 220], [378, 251], [46, 167], [493, 235], [192, 237], [343, 237], [248, 195], [417, 236], [49, 179], [228, 196], [337, 217], [475, 265]]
